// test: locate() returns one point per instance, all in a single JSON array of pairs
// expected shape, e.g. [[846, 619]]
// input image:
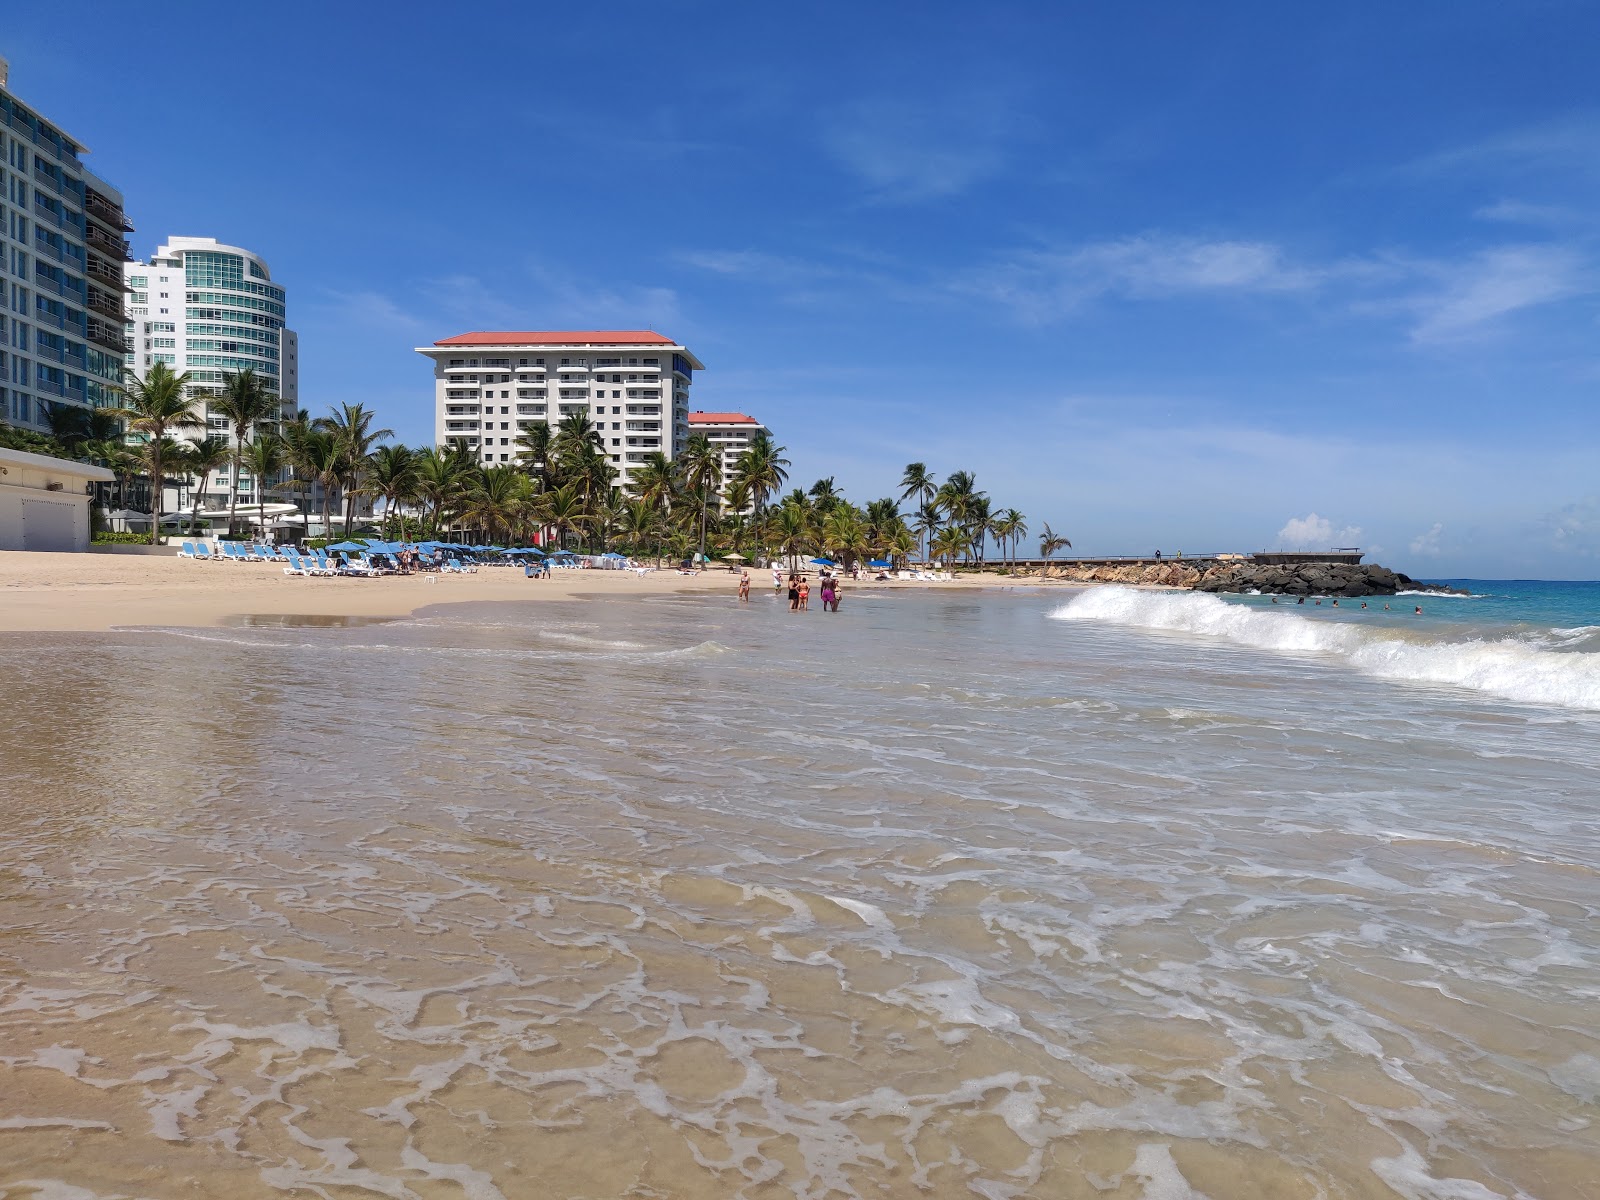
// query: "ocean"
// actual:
[[1022, 893]]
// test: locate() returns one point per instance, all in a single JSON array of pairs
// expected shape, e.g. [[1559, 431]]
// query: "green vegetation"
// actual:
[[562, 490]]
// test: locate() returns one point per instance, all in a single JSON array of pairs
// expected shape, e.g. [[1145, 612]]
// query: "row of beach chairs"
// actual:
[[316, 562]]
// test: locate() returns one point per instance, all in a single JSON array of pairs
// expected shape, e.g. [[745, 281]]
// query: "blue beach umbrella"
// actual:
[[346, 546], [878, 562], [823, 562]]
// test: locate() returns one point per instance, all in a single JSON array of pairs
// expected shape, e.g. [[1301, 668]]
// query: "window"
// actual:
[[616, 441], [614, 395]]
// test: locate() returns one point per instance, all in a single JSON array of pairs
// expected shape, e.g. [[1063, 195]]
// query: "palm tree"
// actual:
[[154, 406], [761, 469], [1011, 526], [392, 476], [652, 482], [533, 449], [442, 478], [793, 529], [321, 456], [918, 482], [201, 459], [1050, 541], [564, 510], [265, 456], [951, 542], [496, 498], [702, 473], [245, 401], [351, 425], [639, 523], [117, 457]]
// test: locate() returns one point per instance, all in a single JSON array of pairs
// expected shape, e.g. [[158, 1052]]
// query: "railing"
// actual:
[[102, 241], [102, 209], [105, 274], [105, 307]]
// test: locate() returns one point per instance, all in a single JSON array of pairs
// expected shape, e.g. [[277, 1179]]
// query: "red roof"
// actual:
[[559, 337], [705, 418]]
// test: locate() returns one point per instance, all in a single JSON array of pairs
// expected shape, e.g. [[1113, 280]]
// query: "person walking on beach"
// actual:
[[744, 586], [777, 579]]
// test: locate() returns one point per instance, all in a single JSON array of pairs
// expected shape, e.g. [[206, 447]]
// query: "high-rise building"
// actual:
[[61, 255], [731, 432], [634, 384], [212, 310]]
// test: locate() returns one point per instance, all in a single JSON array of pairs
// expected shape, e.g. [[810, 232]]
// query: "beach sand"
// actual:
[[97, 592]]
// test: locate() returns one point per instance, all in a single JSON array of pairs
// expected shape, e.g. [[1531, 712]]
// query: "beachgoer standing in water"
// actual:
[[794, 593], [805, 594], [838, 594], [744, 586], [777, 580], [827, 593]]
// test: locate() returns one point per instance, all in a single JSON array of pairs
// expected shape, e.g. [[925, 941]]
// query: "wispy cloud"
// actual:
[[1575, 528], [1439, 300], [1494, 284], [1568, 145], [1046, 284], [906, 152], [369, 309]]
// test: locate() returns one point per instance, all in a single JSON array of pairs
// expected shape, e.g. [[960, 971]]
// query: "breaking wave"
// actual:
[[1505, 667]]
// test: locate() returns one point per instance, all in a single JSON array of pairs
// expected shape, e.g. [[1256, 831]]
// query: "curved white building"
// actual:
[[212, 310]]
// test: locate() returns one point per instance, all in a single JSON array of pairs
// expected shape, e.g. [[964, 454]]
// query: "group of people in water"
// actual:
[[828, 588], [1386, 608]]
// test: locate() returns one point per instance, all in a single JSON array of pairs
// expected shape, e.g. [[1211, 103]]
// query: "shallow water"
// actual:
[[935, 896]]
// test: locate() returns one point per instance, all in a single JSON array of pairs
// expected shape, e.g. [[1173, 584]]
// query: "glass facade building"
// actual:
[[62, 248], [212, 310]]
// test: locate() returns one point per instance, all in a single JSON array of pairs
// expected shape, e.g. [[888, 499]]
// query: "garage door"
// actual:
[[48, 525]]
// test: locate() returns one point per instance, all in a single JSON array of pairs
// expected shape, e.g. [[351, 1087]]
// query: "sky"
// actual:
[[1201, 278]]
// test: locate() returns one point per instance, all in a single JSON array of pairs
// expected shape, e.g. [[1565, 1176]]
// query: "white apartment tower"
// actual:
[[634, 384], [61, 254], [212, 310], [731, 432]]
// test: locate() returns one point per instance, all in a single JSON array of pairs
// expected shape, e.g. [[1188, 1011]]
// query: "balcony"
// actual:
[[540, 371], [114, 247], [102, 210], [108, 337], [644, 426], [460, 426], [106, 274], [107, 307], [462, 410], [581, 368]]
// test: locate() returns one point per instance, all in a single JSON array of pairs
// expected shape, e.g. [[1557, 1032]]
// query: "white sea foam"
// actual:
[[1504, 667]]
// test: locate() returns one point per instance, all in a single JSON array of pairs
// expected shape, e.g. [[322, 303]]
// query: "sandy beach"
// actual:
[[65, 593]]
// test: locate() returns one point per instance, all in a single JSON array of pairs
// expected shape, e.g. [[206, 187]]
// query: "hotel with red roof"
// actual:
[[633, 383], [730, 431]]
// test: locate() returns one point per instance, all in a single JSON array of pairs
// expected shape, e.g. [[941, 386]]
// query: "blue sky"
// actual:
[[1202, 277]]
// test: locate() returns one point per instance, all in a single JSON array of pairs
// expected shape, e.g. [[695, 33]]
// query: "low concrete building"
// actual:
[[44, 502]]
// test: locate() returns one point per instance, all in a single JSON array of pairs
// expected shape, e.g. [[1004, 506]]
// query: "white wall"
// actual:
[[43, 502]]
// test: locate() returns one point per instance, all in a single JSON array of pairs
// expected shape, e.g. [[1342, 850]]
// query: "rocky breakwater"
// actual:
[[1313, 579], [1299, 579]]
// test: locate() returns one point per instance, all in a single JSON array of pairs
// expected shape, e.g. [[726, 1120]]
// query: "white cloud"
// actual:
[[1427, 544], [1047, 284], [1575, 528], [1312, 532], [371, 309], [907, 151], [1494, 284]]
